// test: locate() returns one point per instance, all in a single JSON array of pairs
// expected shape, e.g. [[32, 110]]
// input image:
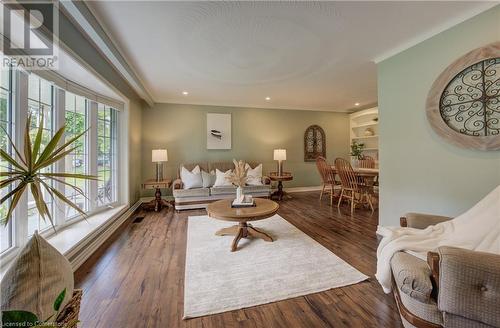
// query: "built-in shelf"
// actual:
[[359, 123], [368, 116], [365, 137], [366, 125]]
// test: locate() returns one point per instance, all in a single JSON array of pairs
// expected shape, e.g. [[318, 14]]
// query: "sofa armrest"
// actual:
[[177, 184], [469, 284], [266, 180], [421, 221], [412, 276], [433, 262]]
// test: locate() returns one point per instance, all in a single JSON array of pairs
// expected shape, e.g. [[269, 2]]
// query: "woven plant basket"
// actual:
[[69, 315]]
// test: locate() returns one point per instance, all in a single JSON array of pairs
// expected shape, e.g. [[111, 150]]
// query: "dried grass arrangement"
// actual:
[[239, 175]]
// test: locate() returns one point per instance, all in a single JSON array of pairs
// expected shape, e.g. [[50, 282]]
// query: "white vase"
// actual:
[[239, 193], [354, 161]]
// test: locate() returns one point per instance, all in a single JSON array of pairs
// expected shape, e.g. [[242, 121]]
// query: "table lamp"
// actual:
[[280, 156], [159, 156]]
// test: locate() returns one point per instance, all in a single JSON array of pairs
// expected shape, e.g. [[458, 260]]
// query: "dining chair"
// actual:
[[352, 189], [328, 176], [367, 162]]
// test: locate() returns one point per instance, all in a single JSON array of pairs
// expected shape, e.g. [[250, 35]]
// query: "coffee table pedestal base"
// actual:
[[243, 230]]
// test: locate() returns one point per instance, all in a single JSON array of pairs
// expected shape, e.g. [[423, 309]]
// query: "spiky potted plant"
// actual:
[[29, 171]]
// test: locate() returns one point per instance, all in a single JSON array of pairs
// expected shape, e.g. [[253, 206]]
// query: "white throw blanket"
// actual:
[[477, 229]]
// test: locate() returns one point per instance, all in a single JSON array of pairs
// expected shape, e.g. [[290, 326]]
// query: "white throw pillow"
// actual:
[[221, 178], [191, 179], [208, 179], [254, 176]]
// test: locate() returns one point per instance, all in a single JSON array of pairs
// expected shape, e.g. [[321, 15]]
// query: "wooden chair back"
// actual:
[[325, 170], [348, 178], [367, 162]]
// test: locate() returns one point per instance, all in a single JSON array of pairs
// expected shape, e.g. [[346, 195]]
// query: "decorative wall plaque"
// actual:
[[463, 105], [314, 143]]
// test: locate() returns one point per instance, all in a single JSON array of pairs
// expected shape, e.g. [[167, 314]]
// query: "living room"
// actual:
[[261, 164]]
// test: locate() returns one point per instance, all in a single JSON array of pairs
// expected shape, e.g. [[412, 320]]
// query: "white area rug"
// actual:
[[258, 272]]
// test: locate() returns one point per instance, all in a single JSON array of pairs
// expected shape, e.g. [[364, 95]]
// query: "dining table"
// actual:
[[369, 175]]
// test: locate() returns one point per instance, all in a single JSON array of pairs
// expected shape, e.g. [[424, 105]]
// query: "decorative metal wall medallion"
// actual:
[[314, 143], [463, 105], [470, 104]]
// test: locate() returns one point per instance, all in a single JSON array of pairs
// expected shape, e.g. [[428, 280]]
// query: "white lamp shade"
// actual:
[[159, 155], [280, 154]]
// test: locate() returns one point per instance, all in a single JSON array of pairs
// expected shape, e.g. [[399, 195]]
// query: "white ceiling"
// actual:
[[304, 55]]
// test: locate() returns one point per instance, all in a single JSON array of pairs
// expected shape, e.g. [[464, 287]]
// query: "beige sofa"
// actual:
[[199, 197], [454, 288]]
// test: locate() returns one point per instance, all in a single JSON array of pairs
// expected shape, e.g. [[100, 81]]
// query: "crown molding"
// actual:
[[441, 28], [88, 24]]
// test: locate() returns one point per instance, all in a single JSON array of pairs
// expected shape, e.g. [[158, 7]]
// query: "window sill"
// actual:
[[70, 239], [66, 240]]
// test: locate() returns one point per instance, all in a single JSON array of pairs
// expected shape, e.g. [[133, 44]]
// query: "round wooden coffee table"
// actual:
[[222, 210]]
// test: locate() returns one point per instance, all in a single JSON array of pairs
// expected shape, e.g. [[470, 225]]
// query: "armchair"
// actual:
[[454, 288]]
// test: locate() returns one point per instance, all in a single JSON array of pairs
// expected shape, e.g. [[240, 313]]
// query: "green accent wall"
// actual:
[[420, 171], [255, 133]]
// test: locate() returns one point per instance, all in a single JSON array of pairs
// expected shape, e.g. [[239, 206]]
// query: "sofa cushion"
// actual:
[[208, 179], [412, 276], [469, 284], [256, 189], [456, 321], [36, 278], [196, 192], [254, 176], [222, 178], [225, 190], [191, 179]]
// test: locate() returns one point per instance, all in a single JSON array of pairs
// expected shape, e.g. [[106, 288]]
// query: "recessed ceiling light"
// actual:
[[185, 93], [268, 98], [356, 104]]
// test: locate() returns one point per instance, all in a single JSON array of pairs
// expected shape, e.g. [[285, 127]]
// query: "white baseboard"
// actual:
[[302, 189], [79, 255], [291, 190]]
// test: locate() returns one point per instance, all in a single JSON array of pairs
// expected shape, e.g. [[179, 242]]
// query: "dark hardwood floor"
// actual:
[[137, 278]]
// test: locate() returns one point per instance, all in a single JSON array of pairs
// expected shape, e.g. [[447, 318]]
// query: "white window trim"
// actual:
[[20, 115]]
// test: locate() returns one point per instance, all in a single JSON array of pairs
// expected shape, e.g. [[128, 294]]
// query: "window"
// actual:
[[76, 119], [106, 154], [24, 95], [6, 122], [40, 102]]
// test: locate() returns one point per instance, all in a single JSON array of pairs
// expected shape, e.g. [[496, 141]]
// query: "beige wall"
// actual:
[[255, 133], [419, 170]]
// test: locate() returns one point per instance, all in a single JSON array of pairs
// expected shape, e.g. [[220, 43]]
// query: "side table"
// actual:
[[285, 176], [158, 203]]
